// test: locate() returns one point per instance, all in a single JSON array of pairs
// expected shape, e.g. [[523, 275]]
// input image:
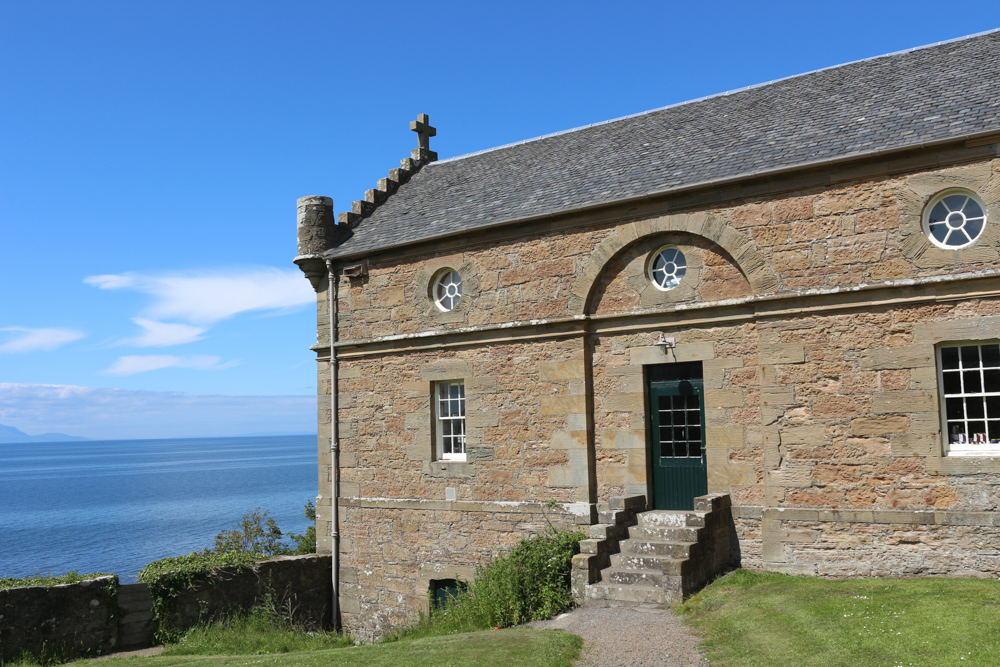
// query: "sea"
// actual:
[[115, 505]]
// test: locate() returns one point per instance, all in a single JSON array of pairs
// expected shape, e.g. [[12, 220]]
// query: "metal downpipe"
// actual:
[[334, 447]]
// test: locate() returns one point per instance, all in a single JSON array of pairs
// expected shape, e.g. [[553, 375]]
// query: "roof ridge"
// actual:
[[712, 96]]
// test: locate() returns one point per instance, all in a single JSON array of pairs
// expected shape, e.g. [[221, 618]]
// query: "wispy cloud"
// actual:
[[117, 413], [162, 334], [130, 365], [203, 298], [23, 339]]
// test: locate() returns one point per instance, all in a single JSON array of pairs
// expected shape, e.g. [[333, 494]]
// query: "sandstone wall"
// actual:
[[815, 314], [525, 407]]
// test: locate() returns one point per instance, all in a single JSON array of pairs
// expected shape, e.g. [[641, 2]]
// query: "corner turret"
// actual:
[[318, 231]]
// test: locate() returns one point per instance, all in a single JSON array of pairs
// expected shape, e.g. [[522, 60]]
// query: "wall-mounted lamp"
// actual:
[[666, 343]]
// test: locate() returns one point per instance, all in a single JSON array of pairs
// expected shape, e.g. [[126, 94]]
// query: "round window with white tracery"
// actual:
[[447, 290], [667, 268], [954, 219]]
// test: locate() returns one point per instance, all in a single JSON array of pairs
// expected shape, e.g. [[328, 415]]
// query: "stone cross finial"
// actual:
[[424, 132]]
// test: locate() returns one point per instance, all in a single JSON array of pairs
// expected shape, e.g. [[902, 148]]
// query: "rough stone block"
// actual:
[[561, 370], [726, 437], [879, 426], [568, 440], [903, 401], [447, 369], [624, 402], [697, 351], [724, 398], [792, 473], [782, 353], [619, 439], [894, 358], [651, 354], [563, 405], [568, 476], [802, 435], [723, 477]]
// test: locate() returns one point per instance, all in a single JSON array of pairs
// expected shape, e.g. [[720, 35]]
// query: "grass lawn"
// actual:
[[751, 619], [514, 647]]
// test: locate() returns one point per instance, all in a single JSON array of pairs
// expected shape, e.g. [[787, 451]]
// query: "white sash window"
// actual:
[[969, 377], [449, 408]]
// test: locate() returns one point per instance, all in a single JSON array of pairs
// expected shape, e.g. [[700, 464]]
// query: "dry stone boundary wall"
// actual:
[[99, 616], [69, 619]]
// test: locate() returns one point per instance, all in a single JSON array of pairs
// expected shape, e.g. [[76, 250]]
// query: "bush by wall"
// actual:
[[531, 582]]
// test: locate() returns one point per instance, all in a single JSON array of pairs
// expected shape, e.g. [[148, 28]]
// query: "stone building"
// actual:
[[788, 295]]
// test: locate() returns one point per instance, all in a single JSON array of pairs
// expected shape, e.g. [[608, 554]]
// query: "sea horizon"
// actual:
[[83, 440]]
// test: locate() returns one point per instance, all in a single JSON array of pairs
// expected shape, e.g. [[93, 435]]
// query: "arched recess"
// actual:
[[738, 245]]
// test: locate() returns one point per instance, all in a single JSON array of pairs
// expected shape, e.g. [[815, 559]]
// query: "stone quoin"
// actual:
[[734, 331]]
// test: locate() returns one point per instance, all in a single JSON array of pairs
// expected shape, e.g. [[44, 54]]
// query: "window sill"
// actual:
[[993, 451], [447, 468]]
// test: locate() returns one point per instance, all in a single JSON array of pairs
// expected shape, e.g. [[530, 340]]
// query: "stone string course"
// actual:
[[807, 409]]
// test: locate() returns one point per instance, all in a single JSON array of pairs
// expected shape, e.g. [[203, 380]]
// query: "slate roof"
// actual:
[[944, 91]]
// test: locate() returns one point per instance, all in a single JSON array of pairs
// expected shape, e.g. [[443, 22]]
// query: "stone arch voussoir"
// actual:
[[748, 258]]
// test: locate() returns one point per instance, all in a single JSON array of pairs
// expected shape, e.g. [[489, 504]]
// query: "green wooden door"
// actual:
[[677, 434]]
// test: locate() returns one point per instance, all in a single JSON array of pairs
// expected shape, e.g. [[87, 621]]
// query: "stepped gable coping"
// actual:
[[913, 99], [386, 187]]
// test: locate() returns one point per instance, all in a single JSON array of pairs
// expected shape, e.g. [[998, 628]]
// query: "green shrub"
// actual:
[[529, 583], [262, 630], [258, 532], [306, 543]]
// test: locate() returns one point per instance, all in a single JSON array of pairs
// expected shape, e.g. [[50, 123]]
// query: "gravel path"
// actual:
[[630, 637], [140, 653]]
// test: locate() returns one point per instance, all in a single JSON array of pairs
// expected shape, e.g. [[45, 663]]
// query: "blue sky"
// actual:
[[151, 154]]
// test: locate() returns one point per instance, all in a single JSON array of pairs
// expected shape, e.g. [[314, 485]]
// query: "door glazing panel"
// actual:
[[677, 415]]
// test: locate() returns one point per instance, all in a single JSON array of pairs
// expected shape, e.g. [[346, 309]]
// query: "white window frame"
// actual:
[[672, 280], [446, 290], [449, 420], [940, 197], [990, 448]]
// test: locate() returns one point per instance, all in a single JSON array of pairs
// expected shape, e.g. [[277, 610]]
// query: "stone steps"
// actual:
[[671, 519], [610, 595], [636, 577], [669, 548], [664, 533], [651, 557], [663, 564]]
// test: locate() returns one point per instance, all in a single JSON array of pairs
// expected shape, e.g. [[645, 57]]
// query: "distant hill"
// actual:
[[11, 434]]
